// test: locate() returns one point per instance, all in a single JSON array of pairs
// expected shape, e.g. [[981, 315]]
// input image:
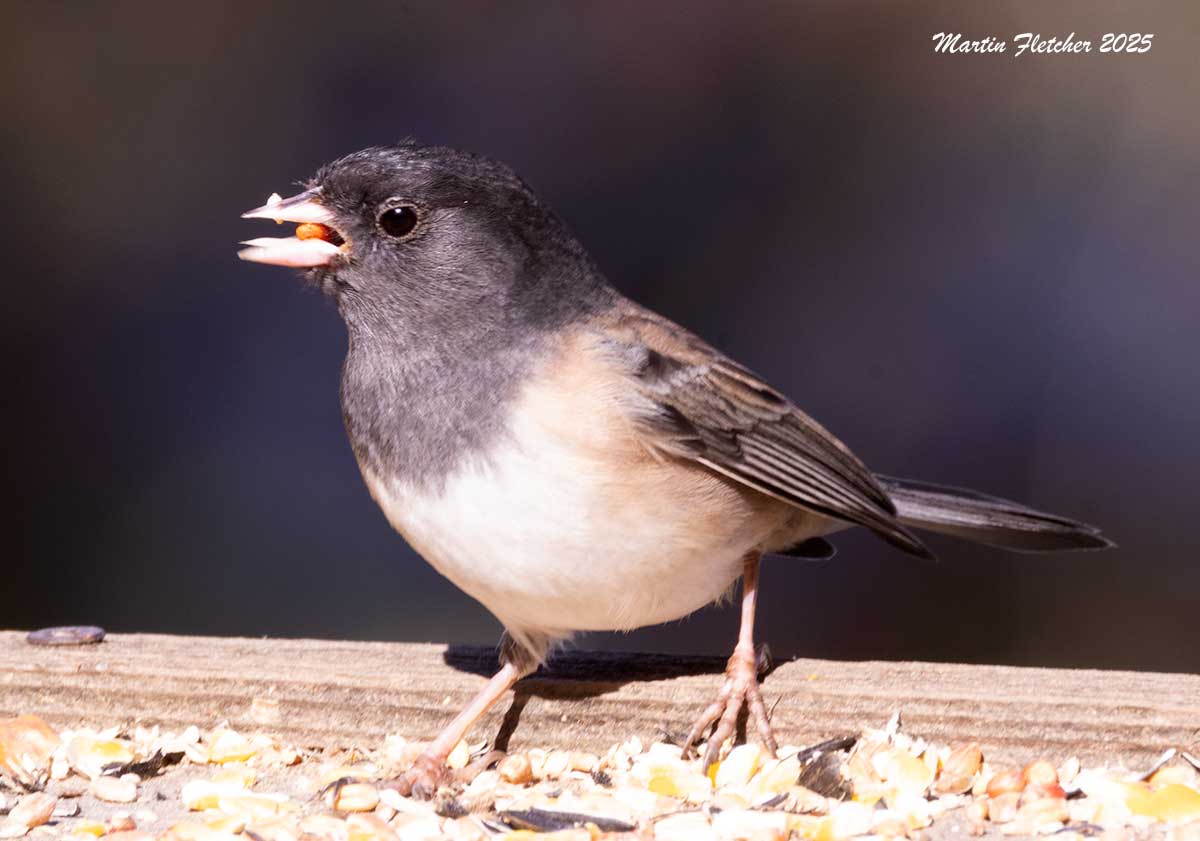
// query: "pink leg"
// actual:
[[429, 771], [741, 682]]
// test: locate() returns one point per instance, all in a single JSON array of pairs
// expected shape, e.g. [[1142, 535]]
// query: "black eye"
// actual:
[[398, 221]]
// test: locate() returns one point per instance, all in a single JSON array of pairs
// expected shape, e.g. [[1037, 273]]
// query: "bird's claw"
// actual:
[[422, 781], [429, 774], [740, 689]]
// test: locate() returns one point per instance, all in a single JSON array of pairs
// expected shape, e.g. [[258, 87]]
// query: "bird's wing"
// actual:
[[700, 405]]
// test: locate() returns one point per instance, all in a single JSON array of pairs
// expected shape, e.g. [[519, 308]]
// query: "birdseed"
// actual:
[[222, 784]]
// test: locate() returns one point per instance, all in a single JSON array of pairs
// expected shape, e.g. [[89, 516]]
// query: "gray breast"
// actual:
[[430, 375], [418, 406]]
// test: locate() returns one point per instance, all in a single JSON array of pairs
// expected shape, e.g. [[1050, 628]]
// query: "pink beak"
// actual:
[[291, 251]]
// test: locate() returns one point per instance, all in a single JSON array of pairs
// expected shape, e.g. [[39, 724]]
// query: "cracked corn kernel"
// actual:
[[60, 768], [1002, 808], [557, 763], [458, 757], [977, 810], [516, 769], [1179, 773], [1039, 773], [1037, 792], [26, 746], [903, 773], [466, 829], [251, 806], [355, 797], [688, 785], [237, 775], [957, 774], [537, 762], [685, 826], [121, 822], [1043, 812], [739, 766], [1068, 771], [197, 753], [775, 776], [89, 756], [65, 808], [199, 795], [229, 746], [400, 752], [113, 790], [1173, 802], [729, 798], [219, 821], [850, 818], [32, 810], [806, 801], [333, 773], [586, 762], [1005, 782]]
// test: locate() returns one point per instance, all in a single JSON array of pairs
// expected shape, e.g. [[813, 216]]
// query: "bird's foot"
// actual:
[[740, 689], [427, 774]]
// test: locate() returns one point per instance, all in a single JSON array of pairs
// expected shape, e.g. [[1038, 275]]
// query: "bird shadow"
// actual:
[[593, 672], [575, 675]]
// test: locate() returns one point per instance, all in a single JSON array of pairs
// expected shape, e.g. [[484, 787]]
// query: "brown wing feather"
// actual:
[[705, 407]]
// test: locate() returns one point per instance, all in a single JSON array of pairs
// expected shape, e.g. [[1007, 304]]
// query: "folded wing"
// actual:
[[700, 405]]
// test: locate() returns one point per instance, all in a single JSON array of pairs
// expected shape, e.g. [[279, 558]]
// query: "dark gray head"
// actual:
[[404, 233], [452, 279]]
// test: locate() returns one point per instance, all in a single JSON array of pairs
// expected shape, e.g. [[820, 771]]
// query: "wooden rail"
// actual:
[[344, 693]]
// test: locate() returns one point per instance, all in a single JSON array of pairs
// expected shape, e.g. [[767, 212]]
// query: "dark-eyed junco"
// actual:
[[568, 458]]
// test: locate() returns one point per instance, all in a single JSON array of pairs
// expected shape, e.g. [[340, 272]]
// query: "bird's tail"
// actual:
[[987, 519]]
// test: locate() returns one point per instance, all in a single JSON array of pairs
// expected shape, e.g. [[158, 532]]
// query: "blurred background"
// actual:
[[979, 270]]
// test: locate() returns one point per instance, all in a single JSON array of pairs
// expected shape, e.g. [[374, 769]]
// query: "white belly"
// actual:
[[544, 547]]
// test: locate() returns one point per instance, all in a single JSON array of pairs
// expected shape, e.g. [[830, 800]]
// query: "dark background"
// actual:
[[976, 269]]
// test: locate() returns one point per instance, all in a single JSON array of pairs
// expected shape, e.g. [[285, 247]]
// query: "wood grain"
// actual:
[[344, 693]]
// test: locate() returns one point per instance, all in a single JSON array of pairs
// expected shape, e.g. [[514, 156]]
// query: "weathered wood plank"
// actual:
[[355, 692]]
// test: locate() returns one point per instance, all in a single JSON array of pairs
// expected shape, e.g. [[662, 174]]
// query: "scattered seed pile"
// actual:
[[146, 784]]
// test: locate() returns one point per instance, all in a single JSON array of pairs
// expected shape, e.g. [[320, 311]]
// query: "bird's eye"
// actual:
[[398, 221]]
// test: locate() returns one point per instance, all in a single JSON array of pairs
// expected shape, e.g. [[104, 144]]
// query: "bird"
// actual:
[[569, 458]]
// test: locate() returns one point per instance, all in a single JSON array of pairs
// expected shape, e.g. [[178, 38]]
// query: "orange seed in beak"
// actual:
[[312, 230]]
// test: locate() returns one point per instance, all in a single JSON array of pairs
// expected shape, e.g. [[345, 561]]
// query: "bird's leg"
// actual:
[[741, 682], [429, 770]]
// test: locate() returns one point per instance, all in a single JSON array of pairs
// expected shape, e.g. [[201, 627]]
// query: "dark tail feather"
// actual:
[[987, 519]]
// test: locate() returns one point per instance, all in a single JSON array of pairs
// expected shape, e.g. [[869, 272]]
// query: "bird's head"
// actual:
[[405, 230]]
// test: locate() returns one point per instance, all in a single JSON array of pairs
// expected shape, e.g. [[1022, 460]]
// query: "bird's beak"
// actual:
[[311, 247]]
